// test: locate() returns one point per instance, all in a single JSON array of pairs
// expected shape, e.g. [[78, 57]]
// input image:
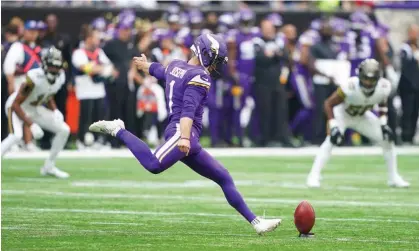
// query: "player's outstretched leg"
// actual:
[[313, 179], [139, 149], [8, 142], [57, 145], [394, 178], [205, 165]]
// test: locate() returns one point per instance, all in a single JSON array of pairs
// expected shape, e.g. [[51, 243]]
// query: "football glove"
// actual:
[[336, 136], [36, 131], [388, 134]]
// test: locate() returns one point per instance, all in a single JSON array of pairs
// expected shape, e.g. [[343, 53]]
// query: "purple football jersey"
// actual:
[[179, 77], [245, 50], [358, 52], [308, 38]]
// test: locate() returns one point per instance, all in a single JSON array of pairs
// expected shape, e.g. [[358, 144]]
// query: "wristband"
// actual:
[[383, 120], [185, 138]]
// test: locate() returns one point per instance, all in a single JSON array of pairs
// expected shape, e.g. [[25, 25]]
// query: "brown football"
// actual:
[[304, 217]]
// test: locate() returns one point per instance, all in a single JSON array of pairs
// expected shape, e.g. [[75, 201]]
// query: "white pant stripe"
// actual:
[[167, 144]]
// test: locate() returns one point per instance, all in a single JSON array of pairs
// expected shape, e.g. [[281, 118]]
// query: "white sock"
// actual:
[[8, 142], [57, 145], [322, 157], [391, 159]]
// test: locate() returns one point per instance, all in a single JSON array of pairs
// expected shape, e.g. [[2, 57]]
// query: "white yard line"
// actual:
[[200, 233], [205, 184], [117, 223], [150, 213], [336, 203], [372, 240], [223, 152]]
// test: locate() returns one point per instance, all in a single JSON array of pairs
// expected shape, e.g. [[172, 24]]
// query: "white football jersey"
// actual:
[[42, 89], [356, 103]]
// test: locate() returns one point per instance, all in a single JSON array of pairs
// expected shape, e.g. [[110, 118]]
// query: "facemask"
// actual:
[[51, 77]]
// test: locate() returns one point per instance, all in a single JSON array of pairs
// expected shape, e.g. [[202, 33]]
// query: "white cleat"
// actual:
[[265, 225], [54, 171], [107, 127], [398, 182], [313, 181], [31, 147]]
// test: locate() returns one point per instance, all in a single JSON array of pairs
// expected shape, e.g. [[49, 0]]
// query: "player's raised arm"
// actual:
[[155, 69], [23, 93], [335, 99], [382, 113]]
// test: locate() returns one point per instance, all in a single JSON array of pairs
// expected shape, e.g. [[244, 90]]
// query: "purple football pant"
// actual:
[[302, 121], [198, 160]]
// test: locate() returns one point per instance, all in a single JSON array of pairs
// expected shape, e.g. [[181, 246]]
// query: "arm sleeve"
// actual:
[[13, 58], [108, 50], [341, 93], [103, 58], [157, 70], [192, 98], [78, 59], [260, 58]]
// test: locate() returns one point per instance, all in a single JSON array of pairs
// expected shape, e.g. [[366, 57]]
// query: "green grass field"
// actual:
[[114, 204]]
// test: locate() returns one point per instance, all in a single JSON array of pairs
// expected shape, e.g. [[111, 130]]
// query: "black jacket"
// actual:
[[268, 69], [409, 78]]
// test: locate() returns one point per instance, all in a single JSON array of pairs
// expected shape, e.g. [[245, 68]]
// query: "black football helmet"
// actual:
[[368, 74], [52, 63]]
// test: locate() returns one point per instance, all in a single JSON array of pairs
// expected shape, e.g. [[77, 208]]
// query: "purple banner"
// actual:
[[403, 5]]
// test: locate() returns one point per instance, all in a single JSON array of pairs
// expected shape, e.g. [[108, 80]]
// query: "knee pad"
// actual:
[[65, 129]]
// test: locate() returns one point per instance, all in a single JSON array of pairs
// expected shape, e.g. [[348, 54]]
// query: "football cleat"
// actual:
[[313, 181], [107, 127], [31, 147], [265, 225], [398, 182], [54, 171]]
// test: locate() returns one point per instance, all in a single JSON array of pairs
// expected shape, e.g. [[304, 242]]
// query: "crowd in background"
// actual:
[[277, 5], [270, 93]]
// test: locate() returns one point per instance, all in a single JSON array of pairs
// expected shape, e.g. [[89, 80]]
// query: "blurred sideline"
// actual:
[[222, 152]]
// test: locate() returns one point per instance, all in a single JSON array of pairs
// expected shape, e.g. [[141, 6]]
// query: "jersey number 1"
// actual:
[[171, 85]]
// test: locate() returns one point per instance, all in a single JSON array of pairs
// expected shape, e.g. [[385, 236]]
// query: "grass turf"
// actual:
[[114, 204]]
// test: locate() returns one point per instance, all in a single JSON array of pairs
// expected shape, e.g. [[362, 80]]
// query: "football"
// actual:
[[304, 217]]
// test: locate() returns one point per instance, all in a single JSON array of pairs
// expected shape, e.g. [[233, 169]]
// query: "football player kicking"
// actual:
[[187, 85], [25, 106], [349, 107]]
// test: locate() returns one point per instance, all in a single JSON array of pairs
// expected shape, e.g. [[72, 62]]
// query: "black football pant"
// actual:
[[321, 93], [410, 112], [272, 110], [91, 110], [122, 105]]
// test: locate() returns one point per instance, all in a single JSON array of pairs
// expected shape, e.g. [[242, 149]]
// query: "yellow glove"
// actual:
[[236, 90]]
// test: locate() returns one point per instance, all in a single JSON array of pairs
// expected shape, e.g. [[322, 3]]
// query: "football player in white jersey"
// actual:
[[349, 107], [26, 106]]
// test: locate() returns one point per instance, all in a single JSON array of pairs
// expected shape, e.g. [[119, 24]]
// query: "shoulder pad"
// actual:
[[349, 86], [255, 30], [201, 80], [385, 85], [258, 41], [35, 75], [183, 32], [230, 36]]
